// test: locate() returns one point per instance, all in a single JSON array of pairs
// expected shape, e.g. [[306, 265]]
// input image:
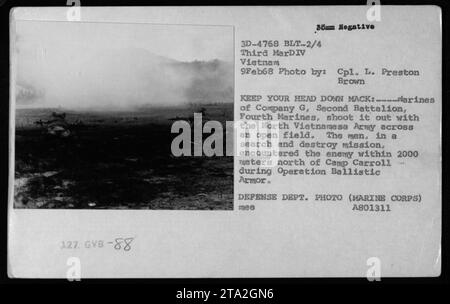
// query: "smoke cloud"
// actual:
[[127, 79], [121, 66]]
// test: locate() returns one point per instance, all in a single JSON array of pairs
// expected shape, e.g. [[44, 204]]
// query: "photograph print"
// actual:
[[94, 107]]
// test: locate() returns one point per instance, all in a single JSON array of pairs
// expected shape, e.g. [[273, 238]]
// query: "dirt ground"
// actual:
[[117, 160]]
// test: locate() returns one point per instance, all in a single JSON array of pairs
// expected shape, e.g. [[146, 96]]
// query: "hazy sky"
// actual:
[[180, 42], [70, 63]]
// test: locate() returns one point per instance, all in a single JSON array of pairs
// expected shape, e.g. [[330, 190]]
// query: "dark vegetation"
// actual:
[[117, 160]]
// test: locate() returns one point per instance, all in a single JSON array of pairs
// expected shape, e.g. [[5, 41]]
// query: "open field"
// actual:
[[117, 160]]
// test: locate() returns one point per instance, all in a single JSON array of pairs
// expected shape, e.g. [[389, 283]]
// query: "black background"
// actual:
[[284, 288]]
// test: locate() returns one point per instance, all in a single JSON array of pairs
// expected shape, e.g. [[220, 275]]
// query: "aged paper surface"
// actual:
[[336, 166]]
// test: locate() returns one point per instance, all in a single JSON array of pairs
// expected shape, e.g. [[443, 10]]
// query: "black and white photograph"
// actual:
[[95, 104], [225, 142]]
